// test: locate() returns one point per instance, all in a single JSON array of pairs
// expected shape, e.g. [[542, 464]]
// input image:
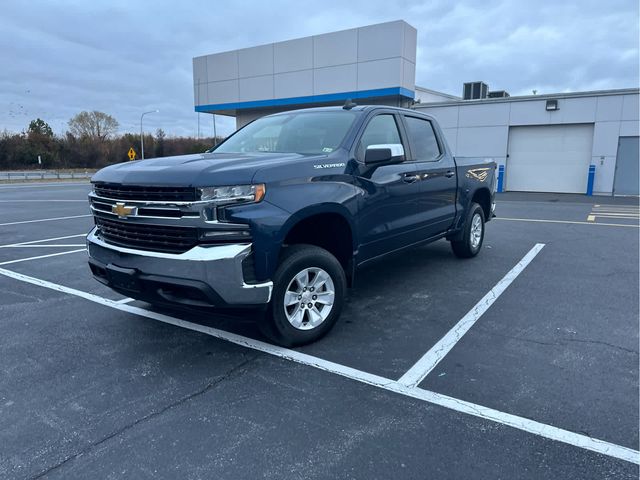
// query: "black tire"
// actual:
[[465, 248], [296, 258]]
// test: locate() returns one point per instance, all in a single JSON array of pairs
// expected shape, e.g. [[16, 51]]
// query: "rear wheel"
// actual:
[[472, 235], [308, 293]]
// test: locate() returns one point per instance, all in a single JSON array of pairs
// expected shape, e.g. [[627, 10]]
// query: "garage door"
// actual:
[[549, 158], [627, 179]]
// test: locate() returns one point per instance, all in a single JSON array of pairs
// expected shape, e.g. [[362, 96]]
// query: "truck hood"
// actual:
[[197, 170]]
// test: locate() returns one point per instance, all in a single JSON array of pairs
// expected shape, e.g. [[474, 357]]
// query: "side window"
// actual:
[[423, 139], [382, 129]]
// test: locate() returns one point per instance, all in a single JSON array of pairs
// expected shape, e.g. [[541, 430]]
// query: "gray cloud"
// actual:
[[125, 57]]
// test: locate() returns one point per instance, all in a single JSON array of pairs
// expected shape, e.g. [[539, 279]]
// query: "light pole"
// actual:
[[141, 136]]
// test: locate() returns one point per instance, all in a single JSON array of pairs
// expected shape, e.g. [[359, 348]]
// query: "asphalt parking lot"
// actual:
[[520, 363]]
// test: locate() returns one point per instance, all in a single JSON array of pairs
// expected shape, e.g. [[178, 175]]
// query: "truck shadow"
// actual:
[[383, 284]]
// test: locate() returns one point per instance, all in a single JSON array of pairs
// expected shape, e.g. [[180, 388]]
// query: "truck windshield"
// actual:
[[304, 133]]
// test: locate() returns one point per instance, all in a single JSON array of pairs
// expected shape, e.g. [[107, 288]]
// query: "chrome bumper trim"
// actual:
[[220, 267]]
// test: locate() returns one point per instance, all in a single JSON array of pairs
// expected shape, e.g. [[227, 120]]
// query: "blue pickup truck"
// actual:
[[284, 211]]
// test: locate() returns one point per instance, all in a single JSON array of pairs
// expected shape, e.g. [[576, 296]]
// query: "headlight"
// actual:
[[233, 194]]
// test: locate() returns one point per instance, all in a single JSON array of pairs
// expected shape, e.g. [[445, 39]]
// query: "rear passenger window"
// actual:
[[423, 139]]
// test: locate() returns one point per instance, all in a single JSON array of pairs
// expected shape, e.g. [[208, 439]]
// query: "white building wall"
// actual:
[[482, 128], [367, 58]]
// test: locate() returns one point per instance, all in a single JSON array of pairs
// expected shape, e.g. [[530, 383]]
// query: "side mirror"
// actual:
[[384, 153]]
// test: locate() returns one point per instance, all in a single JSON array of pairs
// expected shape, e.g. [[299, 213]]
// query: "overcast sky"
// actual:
[[125, 57]]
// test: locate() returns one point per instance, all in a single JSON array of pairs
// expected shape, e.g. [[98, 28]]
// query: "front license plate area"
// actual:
[[123, 278]]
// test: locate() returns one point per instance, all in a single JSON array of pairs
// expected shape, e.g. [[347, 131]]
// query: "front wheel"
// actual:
[[308, 293], [472, 235]]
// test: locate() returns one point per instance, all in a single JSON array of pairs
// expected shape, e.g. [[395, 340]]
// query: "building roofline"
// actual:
[[436, 92], [526, 98], [307, 36]]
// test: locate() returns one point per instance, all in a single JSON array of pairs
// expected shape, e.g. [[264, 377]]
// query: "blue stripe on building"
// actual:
[[329, 97]]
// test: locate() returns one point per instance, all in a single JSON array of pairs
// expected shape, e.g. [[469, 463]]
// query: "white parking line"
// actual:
[[520, 423], [44, 240], [42, 256], [44, 220], [125, 300], [429, 360], [569, 222], [58, 245], [47, 201]]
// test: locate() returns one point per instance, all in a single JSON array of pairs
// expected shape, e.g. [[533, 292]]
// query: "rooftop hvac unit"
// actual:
[[498, 94], [474, 90]]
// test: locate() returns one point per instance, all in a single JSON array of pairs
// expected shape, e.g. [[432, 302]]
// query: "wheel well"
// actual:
[[483, 198], [330, 231]]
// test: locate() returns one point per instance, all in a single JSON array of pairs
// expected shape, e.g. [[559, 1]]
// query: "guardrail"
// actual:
[[43, 175]]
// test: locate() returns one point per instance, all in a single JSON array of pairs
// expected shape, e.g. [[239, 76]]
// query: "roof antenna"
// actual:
[[349, 104]]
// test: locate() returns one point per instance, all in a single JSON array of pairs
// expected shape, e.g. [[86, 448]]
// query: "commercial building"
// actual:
[[547, 143], [582, 142]]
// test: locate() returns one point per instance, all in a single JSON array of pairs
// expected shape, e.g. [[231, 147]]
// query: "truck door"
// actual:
[[437, 172], [390, 207]]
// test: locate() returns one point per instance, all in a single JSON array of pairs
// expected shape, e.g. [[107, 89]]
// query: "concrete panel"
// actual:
[[336, 48], [609, 108], [408, 75], [200, 70], [200, 95], [451, 136], [485, 114], [447, 117], [225, 91], [576, 110], [529, 113], [335, 79], [605, 138], [630, 107], [222, 66], [605, 171], [410, 43], [293, 55], [293, 84], [380, 74], [256, 88], [255, 61], [245, 116], [629, 128], [384, 40], [482, 141], [500, 161]]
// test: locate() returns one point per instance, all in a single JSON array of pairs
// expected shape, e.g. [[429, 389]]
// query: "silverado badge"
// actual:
[[478, 173]]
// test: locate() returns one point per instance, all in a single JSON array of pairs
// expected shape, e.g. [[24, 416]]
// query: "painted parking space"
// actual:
[[118, 374], [627, 214], [562, 344]]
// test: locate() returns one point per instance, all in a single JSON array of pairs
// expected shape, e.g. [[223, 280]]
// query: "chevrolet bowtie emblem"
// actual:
[[122, 210]]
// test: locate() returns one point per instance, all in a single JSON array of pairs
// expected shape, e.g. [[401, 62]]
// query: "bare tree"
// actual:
[[95, 125]]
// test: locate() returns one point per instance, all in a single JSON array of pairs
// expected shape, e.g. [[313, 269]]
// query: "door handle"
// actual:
[[449, 174], [410, 178]]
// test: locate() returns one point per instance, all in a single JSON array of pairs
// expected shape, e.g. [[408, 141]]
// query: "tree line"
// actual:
[[90, 142]]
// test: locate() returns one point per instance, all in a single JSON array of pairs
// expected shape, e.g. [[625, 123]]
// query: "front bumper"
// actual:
[[201, 276]]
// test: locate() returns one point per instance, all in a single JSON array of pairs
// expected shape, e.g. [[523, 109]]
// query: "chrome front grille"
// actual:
[[142, 193], [143, 236], [106, 206], [163, 224]]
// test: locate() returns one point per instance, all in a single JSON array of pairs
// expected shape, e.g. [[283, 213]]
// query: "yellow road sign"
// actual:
[[131, 154]]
